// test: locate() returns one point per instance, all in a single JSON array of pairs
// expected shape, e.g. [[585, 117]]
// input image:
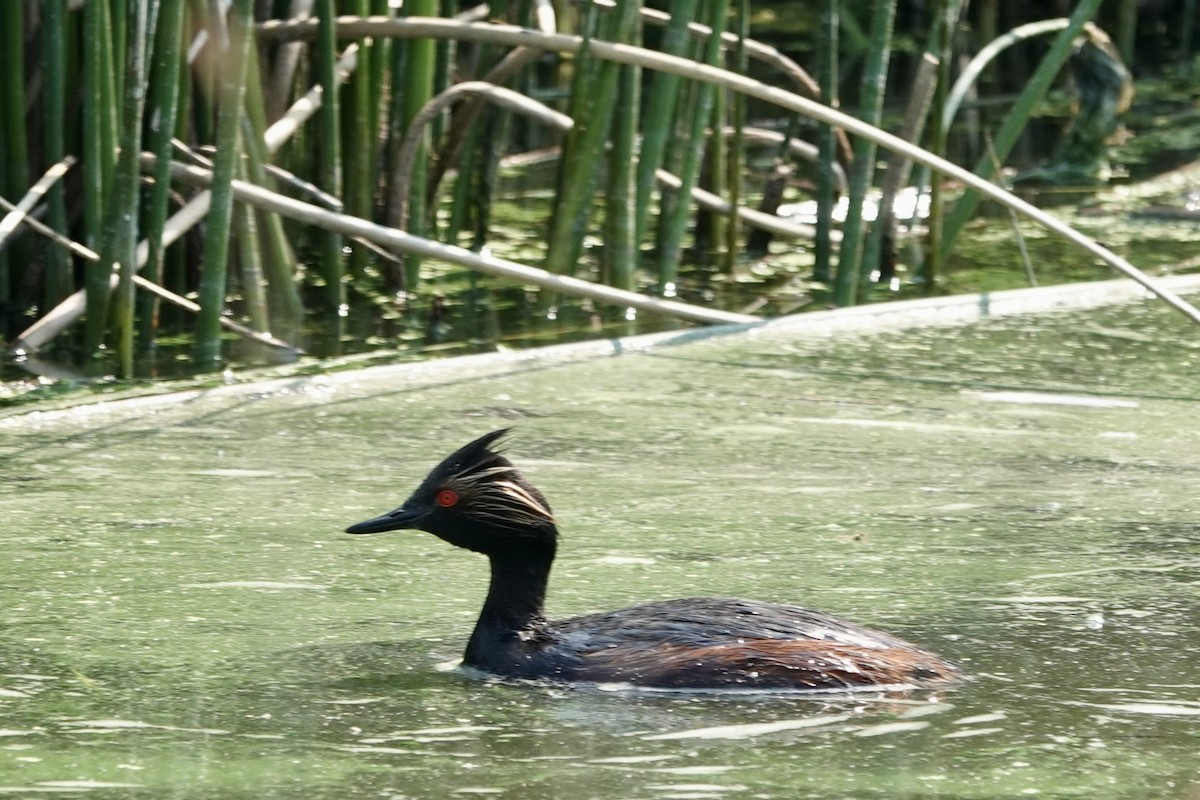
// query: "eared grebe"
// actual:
[[476, 499]]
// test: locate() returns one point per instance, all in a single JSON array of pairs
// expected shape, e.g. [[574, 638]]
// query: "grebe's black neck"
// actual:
[[513, 610], [477, 500]]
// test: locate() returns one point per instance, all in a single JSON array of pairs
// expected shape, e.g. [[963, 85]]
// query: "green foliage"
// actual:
[[627, 124]]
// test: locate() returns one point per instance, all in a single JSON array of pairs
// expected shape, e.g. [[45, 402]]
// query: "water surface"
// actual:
[[181, 616]]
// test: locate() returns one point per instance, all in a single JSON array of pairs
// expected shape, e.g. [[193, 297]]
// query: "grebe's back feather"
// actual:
[[707, 642]]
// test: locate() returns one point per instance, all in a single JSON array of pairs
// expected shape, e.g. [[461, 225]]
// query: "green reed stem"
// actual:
[[250, 260], [118, 16], [497, 131], [381, 60], [576, 167], [735, 164], [829, 28], [711, 229], [12, 101], [660, 111], [593, 96], [922, 98], [358, 141], [329, 155], [931, 267], [162, 117], [1127, 25], [466, 193], [671, 241], [481, 135], [1016, 120], [15, 168], [216, 239], [379, 91], [203, 78], [1187, 28], [99, 149], [175, 259], [121, 226], [54, 123], [882, 236], [275, 251], [620, 216], [285, 306], [845, 289], [421, 62]]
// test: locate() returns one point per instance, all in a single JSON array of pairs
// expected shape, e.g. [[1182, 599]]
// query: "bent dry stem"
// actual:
[[627, 54], [407, 243]]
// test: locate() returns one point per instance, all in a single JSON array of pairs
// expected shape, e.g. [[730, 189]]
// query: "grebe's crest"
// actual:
[[479, 481]]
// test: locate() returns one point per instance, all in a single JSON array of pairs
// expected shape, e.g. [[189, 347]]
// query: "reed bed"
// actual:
[[176, 123]]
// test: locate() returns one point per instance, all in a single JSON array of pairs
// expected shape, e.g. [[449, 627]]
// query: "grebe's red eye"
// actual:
[[447, 498]]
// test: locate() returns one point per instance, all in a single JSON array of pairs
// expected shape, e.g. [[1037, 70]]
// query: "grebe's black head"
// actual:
[[474, 499]]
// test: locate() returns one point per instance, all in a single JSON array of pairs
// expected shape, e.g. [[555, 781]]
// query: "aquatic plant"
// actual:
[[230, 94]]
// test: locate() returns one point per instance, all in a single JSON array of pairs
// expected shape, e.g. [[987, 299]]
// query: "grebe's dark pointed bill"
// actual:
[[392, 521]]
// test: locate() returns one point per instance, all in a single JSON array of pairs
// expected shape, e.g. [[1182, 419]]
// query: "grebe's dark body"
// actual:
[[477, 500]]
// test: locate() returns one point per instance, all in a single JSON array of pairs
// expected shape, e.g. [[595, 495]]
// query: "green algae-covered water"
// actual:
[[180, 615]]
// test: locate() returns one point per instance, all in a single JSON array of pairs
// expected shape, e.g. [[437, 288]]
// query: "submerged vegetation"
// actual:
[[258, 170]]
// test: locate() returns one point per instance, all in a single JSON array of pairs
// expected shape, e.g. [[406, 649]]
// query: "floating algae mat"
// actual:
[[180, 614]]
